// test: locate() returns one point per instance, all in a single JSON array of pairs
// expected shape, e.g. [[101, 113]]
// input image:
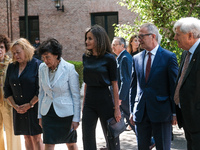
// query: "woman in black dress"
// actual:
[[100, 71], [21, 89]]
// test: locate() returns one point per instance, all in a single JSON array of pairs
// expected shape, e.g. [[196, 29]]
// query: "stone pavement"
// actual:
[[127, 140]]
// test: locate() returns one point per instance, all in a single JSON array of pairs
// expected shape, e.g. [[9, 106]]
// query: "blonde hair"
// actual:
[[26, 46]]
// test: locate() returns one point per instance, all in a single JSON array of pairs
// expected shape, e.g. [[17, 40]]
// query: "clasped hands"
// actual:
[[21, 109]]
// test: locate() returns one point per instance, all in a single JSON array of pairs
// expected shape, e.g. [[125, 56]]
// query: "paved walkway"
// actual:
[[127, 140]]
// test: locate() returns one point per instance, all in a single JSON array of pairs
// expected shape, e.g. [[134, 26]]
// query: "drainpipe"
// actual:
[[8, 34], [26, 18], [11, 31]]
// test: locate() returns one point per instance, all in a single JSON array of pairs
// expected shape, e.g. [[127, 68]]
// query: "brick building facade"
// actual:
[[67, 27]]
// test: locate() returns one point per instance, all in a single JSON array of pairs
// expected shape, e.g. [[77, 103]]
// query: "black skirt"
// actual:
[[57, 130]]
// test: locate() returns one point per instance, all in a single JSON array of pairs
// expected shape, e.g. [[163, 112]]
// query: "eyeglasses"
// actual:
[[115, 44], [141, 36]]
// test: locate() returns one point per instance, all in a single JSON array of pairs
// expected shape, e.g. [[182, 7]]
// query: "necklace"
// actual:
[[54, 70]]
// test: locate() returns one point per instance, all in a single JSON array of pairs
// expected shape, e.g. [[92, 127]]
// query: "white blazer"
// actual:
[[64, 91]]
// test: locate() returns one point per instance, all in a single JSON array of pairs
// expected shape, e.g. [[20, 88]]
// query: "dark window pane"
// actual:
[[22, 28], [33, 24], [111, 20], [100, 20], [106, 20]]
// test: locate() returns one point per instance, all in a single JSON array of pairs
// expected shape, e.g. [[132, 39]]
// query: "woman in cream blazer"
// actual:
[[59, 97]]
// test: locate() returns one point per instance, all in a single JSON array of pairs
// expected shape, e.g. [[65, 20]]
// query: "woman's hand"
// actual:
[[74, 125], [40, 122], [16, 107], [117, 114], [23, 108]]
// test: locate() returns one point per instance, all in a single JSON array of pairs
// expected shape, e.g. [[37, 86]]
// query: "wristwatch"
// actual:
[[31, 104]]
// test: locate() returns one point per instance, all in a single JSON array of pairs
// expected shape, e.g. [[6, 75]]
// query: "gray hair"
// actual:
[[188, 24], [154, 30], [121, 41]]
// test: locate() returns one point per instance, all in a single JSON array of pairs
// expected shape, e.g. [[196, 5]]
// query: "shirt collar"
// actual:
[[120, 53], [153, 51], [192, 49]]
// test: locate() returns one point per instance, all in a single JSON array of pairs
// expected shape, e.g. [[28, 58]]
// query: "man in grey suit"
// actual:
[[124, 68], [187, 93]]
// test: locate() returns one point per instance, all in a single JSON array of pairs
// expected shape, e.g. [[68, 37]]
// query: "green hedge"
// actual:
[[79, 68]]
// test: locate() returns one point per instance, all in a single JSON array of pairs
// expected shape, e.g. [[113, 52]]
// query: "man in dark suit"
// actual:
[[36, 45], [155, 72], [187, 94], [124, 68]]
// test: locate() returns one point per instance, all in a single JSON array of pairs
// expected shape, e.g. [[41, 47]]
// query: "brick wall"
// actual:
[[67, 27]]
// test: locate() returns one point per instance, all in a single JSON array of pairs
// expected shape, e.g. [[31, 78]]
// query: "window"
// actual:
[[106, 20], [33, 22]]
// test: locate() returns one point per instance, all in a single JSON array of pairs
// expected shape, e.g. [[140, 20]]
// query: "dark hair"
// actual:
[[102, 41], [6, 41], [52, 46], [130, 49]]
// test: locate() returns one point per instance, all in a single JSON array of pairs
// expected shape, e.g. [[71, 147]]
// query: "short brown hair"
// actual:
[[6, 41]]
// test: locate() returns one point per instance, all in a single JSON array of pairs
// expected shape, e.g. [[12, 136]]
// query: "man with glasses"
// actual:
[[155, 72], [124, 68]]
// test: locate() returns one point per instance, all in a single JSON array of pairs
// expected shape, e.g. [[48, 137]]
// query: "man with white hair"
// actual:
[[155, 72], [187, 93]]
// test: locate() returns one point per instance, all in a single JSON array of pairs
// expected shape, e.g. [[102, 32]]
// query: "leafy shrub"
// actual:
[[79, 68]]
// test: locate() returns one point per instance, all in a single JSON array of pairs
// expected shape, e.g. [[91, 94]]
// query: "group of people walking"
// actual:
[[145, 84]]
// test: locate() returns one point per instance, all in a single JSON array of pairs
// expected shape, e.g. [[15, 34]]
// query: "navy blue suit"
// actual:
[[152, 101], [124, 68]]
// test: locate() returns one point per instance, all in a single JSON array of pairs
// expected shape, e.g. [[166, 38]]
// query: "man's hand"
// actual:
[[174, 120], [131, 120], [120, 102]]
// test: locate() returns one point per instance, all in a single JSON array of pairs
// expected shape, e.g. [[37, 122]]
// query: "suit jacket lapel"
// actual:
[[192, 62], [59, 72], [181, 65], [27, 66], [46, 75], [141, 66], [122, 54]]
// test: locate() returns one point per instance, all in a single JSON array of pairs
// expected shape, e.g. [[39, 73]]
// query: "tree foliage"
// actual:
[[162, 13]]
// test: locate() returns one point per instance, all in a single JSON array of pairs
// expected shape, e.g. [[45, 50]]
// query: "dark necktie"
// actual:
[[185, 66], [148, 67]]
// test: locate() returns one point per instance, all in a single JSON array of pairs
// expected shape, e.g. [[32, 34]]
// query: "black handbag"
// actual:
[[115, 128]]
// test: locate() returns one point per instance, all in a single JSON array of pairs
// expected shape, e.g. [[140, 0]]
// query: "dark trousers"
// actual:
[[98, 104], [193, 140], [161, 133], [125, 109]]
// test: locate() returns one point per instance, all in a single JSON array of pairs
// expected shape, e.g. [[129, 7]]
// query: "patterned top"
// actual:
[[3, 68]]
